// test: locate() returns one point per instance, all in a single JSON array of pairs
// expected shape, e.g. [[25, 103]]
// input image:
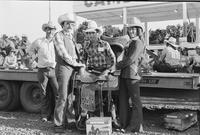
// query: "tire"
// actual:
[[6, 94], [30, 97], [15, 102]]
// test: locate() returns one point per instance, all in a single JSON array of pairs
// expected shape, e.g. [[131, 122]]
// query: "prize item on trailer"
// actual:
[[99, 126]]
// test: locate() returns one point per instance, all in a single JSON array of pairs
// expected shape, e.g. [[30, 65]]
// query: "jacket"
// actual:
[[130, 63]]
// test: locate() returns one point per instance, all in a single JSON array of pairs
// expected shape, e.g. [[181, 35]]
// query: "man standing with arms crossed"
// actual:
[[44, 47], [66, 58]]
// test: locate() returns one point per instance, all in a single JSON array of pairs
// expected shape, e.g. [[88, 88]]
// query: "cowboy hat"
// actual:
[[69, 17], [48, 25], [171, 41], [135, 22], [92, 27]]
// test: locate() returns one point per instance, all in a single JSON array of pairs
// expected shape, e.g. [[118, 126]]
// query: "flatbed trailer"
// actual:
[[19, 87], [170, 90], [158, 90]]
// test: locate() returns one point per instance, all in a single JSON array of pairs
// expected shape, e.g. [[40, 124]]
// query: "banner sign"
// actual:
[[85, 6]]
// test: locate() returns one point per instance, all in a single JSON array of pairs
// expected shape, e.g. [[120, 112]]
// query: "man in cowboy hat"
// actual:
[[170, 57], [66, 58], [98, 57], [44, 48]]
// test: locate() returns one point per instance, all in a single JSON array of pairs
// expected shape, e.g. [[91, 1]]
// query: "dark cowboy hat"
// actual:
[[119, 42]]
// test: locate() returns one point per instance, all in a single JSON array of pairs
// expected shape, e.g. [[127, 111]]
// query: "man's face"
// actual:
[[50, 32], [68, 26], [93, 35]]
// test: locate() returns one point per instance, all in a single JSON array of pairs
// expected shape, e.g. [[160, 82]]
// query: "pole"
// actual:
[[184, 19], [124, 21], [49, 10], [197, 29]]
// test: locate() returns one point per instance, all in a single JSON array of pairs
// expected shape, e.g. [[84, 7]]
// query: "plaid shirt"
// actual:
[[98, 56]]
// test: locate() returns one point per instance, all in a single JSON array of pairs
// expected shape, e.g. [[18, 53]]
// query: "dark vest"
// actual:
[[70, 47]]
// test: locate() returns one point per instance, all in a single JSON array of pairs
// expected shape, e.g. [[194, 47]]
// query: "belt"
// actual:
[[47, 68]]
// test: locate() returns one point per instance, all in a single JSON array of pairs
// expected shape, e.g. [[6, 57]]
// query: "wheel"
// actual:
[[6, 94], [30, 97], [15, 102]]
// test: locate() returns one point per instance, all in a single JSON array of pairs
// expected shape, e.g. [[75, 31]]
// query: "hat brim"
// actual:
[[44, 26], [171, 43], [135, 25], [69, 21], [98, 30]]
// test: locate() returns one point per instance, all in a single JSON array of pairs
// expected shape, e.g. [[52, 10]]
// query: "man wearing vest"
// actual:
[[66, 58]]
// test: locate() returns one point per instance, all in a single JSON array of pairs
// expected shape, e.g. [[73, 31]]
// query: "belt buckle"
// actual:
[[48, 68]]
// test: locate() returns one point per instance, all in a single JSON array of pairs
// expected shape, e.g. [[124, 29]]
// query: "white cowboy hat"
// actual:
[[92, 27], [48, 25], [135, 22], [69, 17], [171, 41]]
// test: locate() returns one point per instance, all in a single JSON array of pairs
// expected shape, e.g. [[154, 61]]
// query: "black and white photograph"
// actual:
[[99, 67]]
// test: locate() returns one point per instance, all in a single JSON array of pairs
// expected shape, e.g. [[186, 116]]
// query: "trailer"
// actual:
[[19, 87], [170, 91]]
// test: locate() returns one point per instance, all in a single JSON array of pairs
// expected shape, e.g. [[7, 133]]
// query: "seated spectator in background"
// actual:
[[11, 60], [195, 64], [22, 50], [170, 58], [6, 44], [1, 58]]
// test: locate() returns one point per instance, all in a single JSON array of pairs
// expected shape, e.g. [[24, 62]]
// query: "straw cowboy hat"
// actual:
[[92, 27], [48, 25], [172, 41], [69, 17], [135, 22]]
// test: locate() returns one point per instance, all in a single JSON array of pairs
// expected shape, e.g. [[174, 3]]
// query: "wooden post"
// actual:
[[184, 19], [197, 29], [124, 21], [146, 34]]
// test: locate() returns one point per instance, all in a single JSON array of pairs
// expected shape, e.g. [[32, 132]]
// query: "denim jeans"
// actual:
[[130, 119], [63, 74], [46, 75]]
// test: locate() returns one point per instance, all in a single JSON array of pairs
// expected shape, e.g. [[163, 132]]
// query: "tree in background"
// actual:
[[191, 32], [79, 34], [111, 31], [157, 36]]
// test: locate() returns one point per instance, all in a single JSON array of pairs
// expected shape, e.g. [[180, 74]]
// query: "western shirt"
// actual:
[[98, 55], [45, 51]]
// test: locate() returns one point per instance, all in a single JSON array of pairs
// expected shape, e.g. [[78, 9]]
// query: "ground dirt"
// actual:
[[22, 123]]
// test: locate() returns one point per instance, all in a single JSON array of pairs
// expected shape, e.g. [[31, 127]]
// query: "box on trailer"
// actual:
[[180, 120], [99, 126]]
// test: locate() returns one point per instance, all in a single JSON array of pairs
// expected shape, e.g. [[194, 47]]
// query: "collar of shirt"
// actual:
[[67, 34]]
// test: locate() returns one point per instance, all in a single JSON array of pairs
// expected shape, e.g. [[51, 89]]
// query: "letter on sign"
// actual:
[[88, 3]]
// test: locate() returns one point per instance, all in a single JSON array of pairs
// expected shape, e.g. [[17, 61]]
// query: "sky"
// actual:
[[27, 17]]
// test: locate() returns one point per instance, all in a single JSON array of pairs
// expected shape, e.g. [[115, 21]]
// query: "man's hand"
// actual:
[[105, 72], [80, 65]]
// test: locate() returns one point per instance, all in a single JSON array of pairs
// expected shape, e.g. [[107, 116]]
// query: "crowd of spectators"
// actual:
[[13, 53]]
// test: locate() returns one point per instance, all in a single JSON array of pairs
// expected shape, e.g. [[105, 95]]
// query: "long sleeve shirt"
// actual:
[[45, 51], [65, 49], [171, 56], [99, 55]]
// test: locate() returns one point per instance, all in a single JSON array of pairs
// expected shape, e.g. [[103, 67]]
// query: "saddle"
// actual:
[[91, 77]]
